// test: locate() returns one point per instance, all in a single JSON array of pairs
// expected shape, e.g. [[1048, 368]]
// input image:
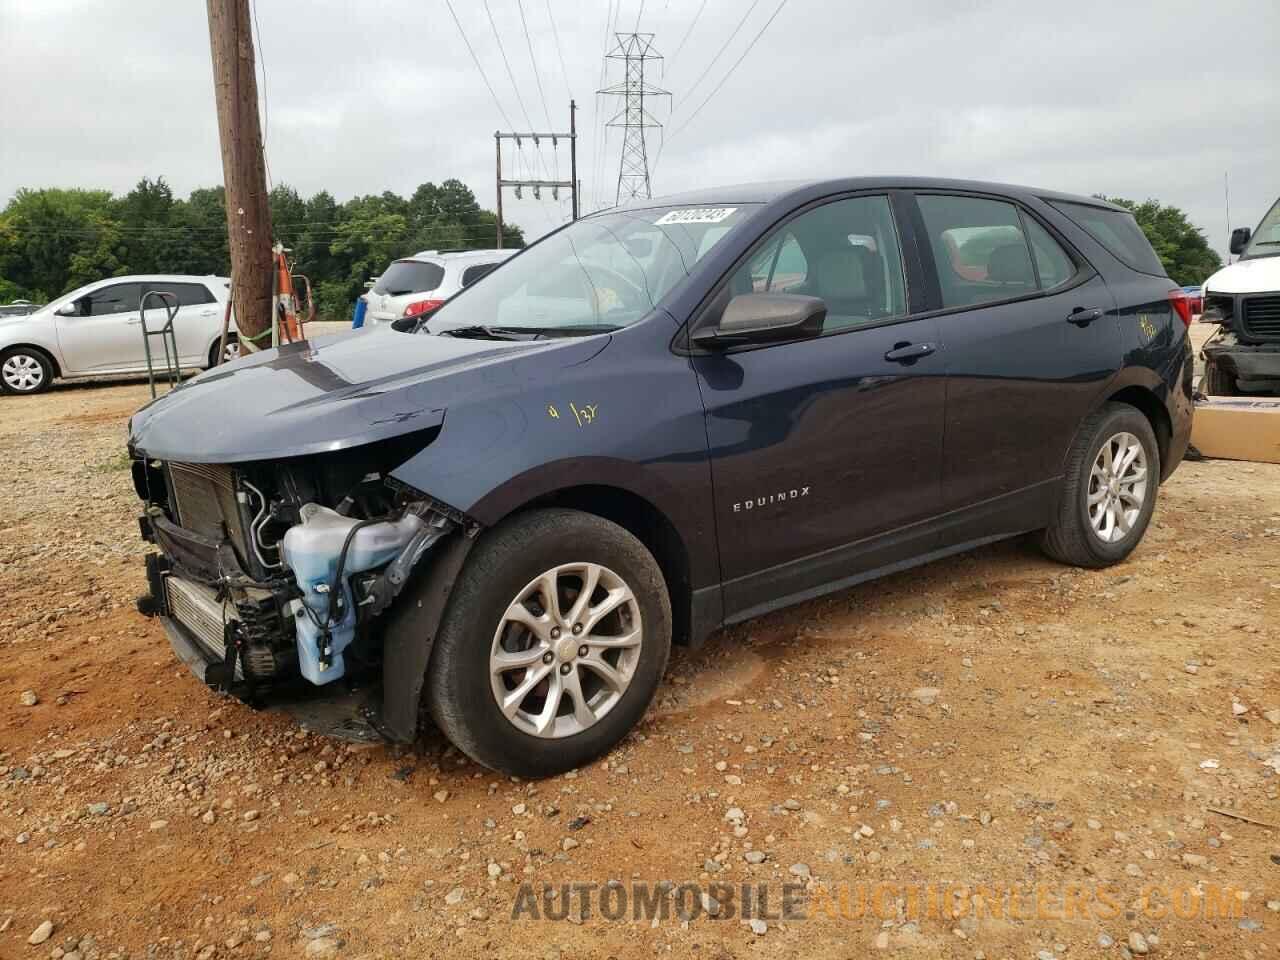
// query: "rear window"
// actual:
[[1118, 232], [409, 276]]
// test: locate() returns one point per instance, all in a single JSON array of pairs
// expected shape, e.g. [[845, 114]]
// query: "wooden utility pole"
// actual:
[[235, 88]]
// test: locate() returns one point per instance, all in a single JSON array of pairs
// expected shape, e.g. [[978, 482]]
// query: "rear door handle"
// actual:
[[1083, 316], [909, 352]]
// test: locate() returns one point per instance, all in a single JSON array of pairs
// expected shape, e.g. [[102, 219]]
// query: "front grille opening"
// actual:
[[1261, 316]]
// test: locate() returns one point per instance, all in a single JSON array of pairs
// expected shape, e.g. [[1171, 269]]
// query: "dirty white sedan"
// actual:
[[97, 331]]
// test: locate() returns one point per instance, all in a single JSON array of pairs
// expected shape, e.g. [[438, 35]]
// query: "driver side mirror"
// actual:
[[68, 309], [1240, 237], [764, 317]]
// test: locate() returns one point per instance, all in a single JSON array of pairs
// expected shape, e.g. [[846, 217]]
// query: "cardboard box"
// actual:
[[1238, 428]]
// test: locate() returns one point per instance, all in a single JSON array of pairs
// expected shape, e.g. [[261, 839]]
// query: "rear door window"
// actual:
[[1053, 264], [188, 294], [979, 249], [409, 276], [1118, 232]]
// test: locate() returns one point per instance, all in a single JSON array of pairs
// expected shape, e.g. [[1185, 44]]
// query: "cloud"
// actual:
[[1143, 99]]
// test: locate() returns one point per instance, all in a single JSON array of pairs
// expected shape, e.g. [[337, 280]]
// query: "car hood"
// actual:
[[337, 392], [1261, 275]]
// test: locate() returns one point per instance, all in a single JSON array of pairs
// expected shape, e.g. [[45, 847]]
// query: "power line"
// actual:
[[537, 76], [598, 130], [677, 130], [476, 60], [719, 53], [533, 61], [564, 71], [639, 14], [689, 32], [723, 79], [510, 73], [266, 106]]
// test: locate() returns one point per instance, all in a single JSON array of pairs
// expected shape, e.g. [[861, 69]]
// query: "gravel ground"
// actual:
[[994, 719]]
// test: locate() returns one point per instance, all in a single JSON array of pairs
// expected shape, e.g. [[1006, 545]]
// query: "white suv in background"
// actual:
[[419, 284], [96, 331]]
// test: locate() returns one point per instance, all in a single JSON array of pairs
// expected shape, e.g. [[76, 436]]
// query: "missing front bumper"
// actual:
[[335, 711]]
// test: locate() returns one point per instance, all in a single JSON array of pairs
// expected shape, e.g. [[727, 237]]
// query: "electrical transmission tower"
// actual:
[[635, 50]]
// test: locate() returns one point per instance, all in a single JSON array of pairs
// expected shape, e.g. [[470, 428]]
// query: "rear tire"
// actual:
[[575, 707], [232, 351], [1106, 505], [25, 371]]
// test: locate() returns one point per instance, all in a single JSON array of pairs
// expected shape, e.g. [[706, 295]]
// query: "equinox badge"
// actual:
[[793, 494]]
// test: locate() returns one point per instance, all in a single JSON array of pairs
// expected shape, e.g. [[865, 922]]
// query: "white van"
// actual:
[[1243, 358]]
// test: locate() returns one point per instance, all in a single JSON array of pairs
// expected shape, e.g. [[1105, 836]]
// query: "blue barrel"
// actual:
[[357, 318]]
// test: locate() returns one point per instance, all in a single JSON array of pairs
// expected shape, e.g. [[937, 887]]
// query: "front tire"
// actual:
[[1109, 490], [1218, 382], [25, 371], [527, 675]]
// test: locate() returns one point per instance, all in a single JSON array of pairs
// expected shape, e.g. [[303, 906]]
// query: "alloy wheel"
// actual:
[[565, 650], [22, 373], [1118, 485]]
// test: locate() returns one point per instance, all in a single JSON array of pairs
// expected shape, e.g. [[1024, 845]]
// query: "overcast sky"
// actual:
[[1134, 99]]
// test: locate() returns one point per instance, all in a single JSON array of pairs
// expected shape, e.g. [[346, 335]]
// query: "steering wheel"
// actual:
[[630, 295]]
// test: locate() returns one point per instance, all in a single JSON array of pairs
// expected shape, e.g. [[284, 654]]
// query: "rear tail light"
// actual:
[[1181, 304], [420, 306]]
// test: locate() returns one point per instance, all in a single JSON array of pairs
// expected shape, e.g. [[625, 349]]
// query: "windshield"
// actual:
[[1266, 239], [605, 272]]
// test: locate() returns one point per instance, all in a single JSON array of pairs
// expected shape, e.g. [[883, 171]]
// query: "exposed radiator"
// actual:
[[204, 498]]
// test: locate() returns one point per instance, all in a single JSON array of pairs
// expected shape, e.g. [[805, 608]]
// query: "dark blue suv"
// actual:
[[658, 420]]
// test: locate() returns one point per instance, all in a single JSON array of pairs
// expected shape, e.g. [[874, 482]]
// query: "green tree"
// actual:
[[198, 230], [53, 240], [143, 219], [46, 229], [1181, 246]]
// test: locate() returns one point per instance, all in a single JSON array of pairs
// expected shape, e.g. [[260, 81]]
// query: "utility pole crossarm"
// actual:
[[555, 186]]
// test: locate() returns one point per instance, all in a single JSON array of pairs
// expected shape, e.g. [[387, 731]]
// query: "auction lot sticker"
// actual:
[[694, 215]]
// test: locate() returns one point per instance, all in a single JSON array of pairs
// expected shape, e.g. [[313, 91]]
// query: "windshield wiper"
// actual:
[[528, 333], [490, 333], [572, 330]]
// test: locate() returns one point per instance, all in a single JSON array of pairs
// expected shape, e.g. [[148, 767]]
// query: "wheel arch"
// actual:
[[36, 348], [648, 524], [1152, 407], [411, 626]]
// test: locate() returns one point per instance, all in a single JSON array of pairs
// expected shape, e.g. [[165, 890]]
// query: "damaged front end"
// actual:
[[275, 579]]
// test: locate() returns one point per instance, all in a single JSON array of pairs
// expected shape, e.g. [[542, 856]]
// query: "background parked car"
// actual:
[[96, 331], [1195, 298], [19, 308], [417, 285]]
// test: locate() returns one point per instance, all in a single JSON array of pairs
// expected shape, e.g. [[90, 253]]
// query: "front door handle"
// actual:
[[1083, 316], [909, 352]]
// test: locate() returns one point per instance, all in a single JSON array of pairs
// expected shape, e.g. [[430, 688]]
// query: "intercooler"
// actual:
[[198, 609], [204, 499]]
